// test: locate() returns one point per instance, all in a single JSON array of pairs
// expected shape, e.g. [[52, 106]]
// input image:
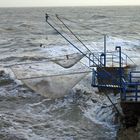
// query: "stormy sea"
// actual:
[[83, 114]]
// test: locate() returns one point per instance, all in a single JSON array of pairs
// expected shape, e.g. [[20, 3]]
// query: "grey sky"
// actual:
[[24, 3]]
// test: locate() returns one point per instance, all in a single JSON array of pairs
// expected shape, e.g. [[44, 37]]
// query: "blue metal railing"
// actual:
[[112, 59], [131, 88], [134, 76]]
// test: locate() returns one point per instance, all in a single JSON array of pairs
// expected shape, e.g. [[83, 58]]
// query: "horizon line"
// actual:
[[67, 6]]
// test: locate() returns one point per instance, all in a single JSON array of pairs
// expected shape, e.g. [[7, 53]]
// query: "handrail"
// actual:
[[112, 56], [131, 86], [129, 58], [131, 76]]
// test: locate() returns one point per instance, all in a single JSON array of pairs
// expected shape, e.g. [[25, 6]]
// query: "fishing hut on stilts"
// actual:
[[112, 71]]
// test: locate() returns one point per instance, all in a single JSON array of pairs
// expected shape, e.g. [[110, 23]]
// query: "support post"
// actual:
[[93, 77], [120, 67], [130, 77], [102, 59], [136, 95], [105, 50]]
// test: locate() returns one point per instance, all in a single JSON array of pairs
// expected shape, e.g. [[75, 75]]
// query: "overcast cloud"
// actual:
[[28, 3]]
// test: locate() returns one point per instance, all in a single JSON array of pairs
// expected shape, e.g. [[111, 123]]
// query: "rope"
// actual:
[[60, 27], [77, 37], [73, 33], [38, 62], [83, 26], [71, 42], [55, 75], [66, 26]]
